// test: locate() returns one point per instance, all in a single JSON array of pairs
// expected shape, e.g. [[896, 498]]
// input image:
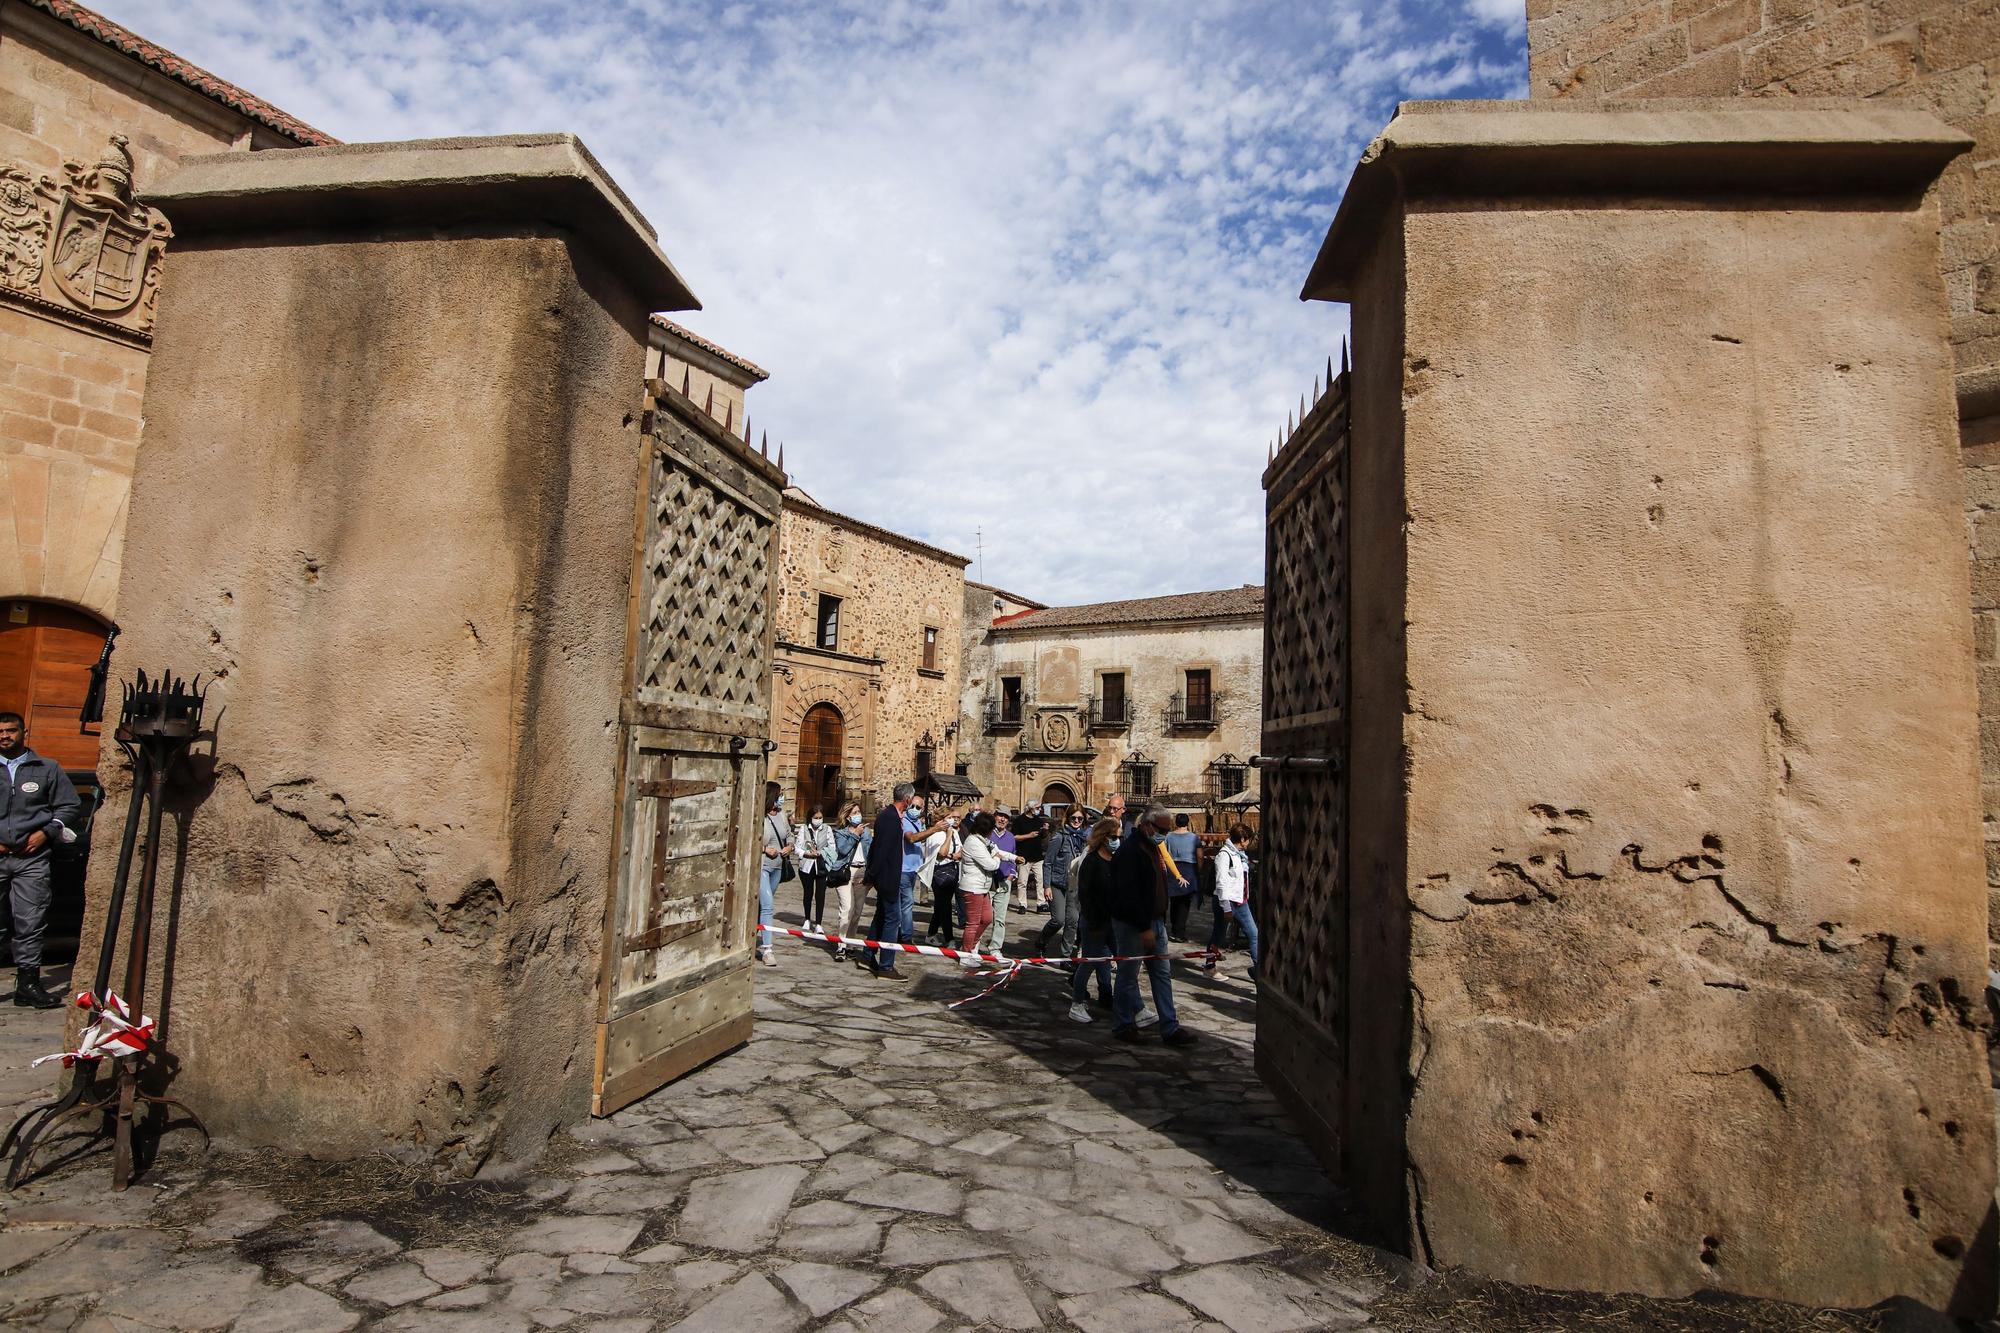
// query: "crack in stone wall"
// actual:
[[1583, 1026]]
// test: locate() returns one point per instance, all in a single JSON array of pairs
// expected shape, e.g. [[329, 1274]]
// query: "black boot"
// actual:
[[28, 992]]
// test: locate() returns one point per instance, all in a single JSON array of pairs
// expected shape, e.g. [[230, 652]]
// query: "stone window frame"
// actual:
[[1097, 676], [1214, 671], [822, 621], [933, 640]]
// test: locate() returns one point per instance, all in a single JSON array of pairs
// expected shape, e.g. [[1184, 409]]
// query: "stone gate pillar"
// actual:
[[1667, 909], [386, 500]]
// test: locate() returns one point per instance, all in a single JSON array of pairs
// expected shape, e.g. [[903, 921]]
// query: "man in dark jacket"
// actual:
[[1139, 926], [894, 856], [38, 806]]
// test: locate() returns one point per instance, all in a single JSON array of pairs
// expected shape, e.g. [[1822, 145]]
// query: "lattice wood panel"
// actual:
[[705, 618], [1302, 891]]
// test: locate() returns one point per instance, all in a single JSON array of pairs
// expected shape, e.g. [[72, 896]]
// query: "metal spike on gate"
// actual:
[[729, 416], [766, 446], [1315, 386], [709, 406], [1343, 356], [1329, 374], [687, 381], [781, 455]]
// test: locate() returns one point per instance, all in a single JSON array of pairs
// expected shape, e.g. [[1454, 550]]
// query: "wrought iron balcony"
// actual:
[[1000, 718], [1117, 716], [1203, 716]]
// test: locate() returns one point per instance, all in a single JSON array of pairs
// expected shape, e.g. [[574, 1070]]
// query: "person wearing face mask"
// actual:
[[813, 847], [1065, 845], [1138, 907], [850, 853], [777, 851]]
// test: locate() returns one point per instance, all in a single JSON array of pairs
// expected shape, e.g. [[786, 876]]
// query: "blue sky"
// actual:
[[1023, 270]]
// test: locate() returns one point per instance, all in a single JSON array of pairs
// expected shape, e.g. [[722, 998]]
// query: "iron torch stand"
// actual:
[[160, 720]]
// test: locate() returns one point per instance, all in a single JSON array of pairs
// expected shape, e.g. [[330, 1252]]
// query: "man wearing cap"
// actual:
[[38, 806]]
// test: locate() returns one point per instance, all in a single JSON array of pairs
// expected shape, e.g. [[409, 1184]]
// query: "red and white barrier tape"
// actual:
[[1004, 967], [111, 1032], [939, 951]]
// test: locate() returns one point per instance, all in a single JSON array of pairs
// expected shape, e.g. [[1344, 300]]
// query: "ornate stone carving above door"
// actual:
[[86, 248]]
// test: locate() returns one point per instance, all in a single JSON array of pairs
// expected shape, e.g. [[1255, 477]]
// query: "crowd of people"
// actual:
[[1123, 885]]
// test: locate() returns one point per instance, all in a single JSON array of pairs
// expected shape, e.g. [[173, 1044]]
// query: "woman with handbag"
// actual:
[[941, 871], [814, 848], [979, 866], [777, 868], [850, 852]]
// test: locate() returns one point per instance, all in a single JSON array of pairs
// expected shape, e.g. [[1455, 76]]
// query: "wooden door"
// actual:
[[822, 739], [46, 653], [675, 985]]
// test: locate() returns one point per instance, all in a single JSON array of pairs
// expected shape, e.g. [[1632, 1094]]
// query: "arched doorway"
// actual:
[[822, 738], [46, 653], [1057, 794]]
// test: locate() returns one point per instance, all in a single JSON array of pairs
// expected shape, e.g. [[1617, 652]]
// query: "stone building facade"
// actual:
[[1158, 697], [1943, 55], [868, 657], [91, 115]]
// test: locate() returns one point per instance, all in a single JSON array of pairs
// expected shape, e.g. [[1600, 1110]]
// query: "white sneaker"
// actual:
[[1146, 1018], [840, 953], [770, 957], [1078, 1013]]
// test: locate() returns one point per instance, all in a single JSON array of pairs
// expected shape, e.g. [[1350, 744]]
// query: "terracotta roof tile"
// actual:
[[94, 24], [715, 348], [1222, 603]]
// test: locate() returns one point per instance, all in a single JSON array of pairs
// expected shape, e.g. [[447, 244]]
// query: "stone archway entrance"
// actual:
[[46, 653], [822, 738], [1058, 794]]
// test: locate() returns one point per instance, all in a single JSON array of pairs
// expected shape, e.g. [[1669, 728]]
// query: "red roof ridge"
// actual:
[[707, 346], [124, 40]]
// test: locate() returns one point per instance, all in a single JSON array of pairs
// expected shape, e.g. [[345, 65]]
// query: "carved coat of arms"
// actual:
[[88, 244]]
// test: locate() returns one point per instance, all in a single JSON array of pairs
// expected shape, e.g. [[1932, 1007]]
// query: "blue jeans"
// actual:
[[1096, 943], [893, 912], [767, 892], [1125, 995], [1241, 911]]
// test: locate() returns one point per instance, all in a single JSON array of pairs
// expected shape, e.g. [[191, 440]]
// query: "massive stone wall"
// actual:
[[1941, 54], [891, 588], [1684, 791], [421, 457]]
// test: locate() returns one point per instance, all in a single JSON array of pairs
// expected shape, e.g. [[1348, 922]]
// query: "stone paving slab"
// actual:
[[870, 1161]]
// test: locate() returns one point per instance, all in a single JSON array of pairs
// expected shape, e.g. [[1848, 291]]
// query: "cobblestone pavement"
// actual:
[[871, 1160]]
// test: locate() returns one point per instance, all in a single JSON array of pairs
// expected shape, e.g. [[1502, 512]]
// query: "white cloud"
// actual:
[[1027, 270]]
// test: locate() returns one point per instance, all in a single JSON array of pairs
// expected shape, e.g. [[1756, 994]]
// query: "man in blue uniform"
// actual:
[[38, 806]]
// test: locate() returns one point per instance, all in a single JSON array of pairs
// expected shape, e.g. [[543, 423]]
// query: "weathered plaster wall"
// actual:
[[416, 623], [1941, 54], [70, 396], [1689, 754], [1060, 670], [889, 590]]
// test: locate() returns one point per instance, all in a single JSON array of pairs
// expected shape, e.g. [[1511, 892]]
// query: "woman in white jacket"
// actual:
[[979, 863], [1232, 899], [813, 850]]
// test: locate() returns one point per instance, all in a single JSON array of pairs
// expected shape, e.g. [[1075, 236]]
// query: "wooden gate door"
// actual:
[[1302, 883], [822, 738], [675, 987], [46, 653]]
